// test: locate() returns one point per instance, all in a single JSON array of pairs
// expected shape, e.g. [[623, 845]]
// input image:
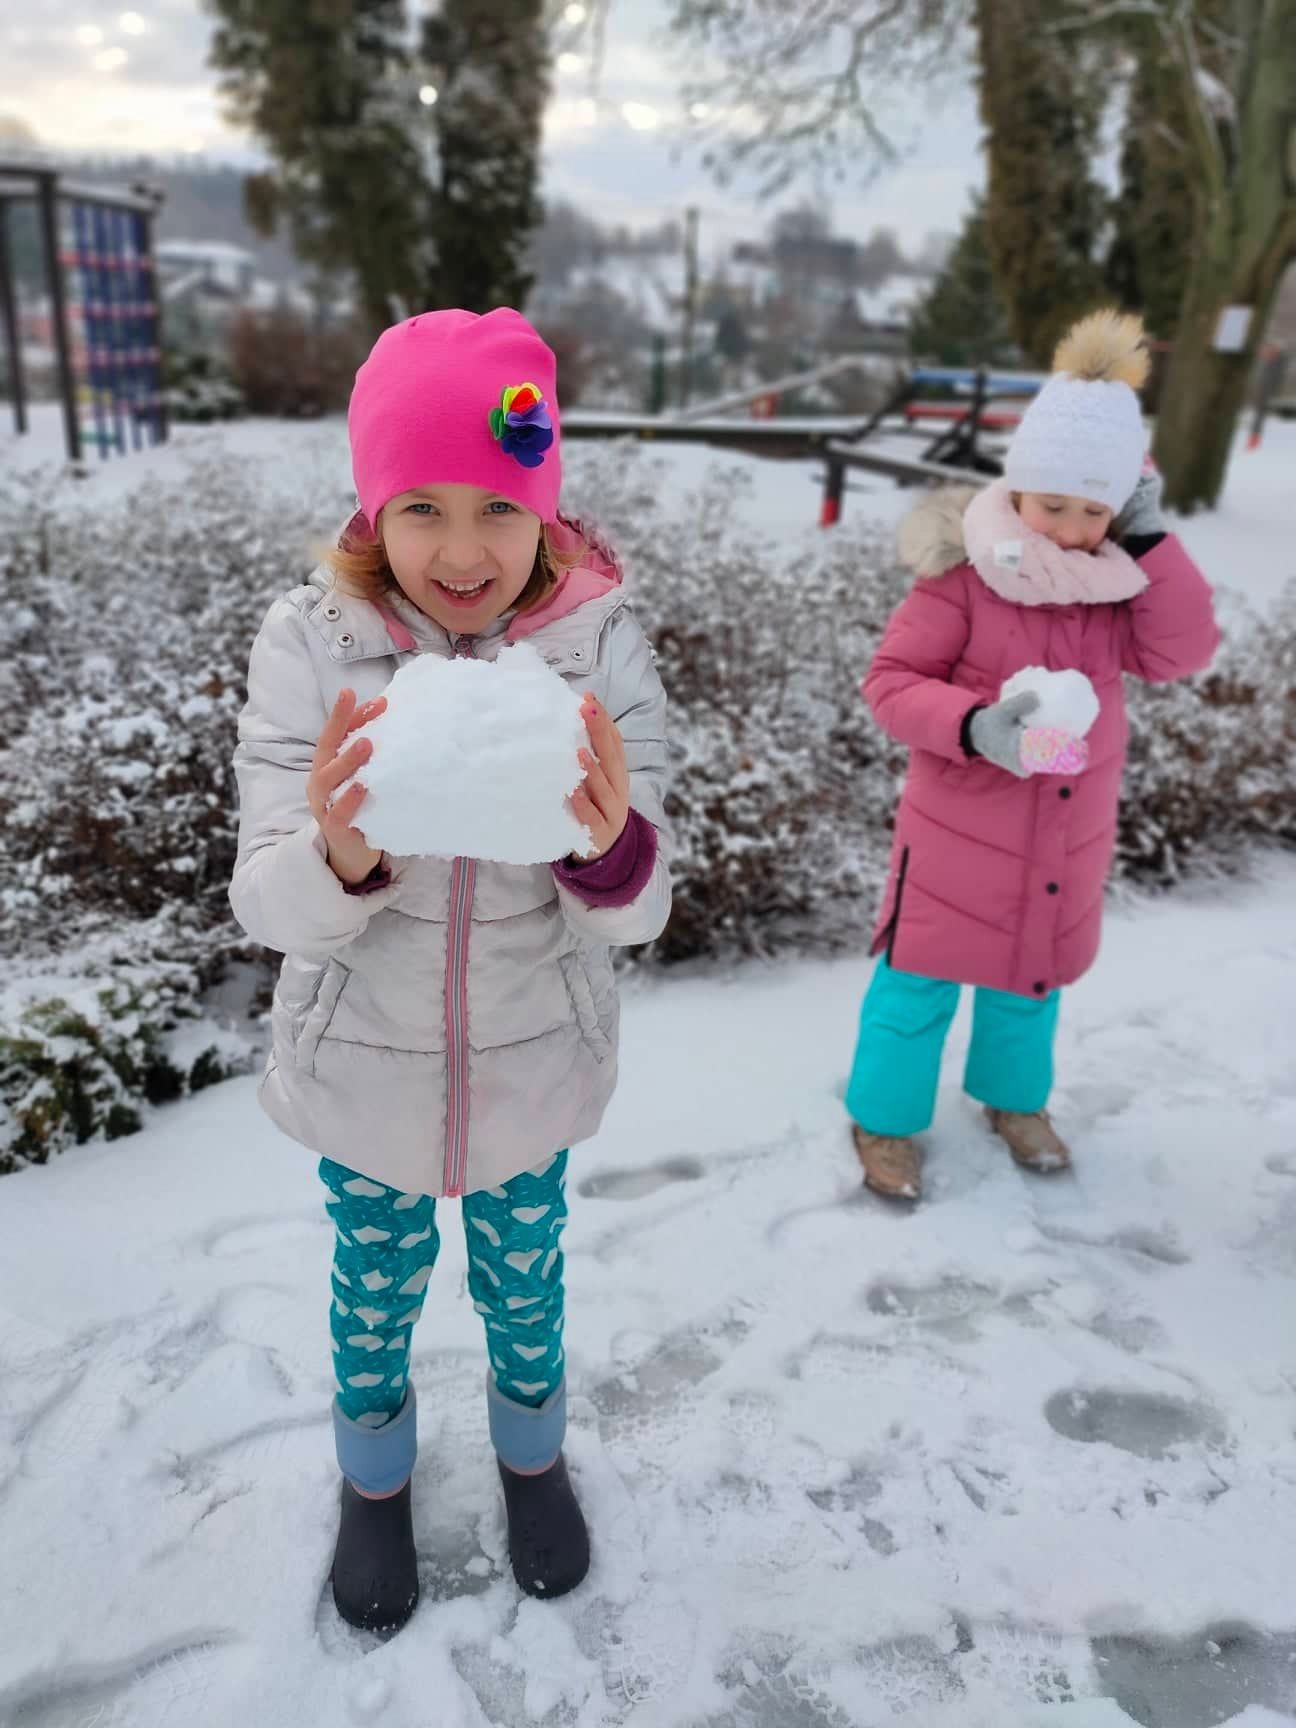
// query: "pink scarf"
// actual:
[[1027, 568]]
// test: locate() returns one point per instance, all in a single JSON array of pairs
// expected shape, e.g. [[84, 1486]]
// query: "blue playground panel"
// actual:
[[119, 352], [965, 378]]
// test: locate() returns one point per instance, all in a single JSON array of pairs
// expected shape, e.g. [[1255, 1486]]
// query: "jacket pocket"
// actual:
[[319, 1017], [584, 1006], [894, 926]]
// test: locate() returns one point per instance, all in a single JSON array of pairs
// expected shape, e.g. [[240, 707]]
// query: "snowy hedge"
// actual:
[[124, 635]]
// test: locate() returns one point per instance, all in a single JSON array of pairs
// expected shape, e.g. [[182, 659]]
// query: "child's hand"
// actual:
[[1142, 515], [350, 859], [602, 803], [997, 732]]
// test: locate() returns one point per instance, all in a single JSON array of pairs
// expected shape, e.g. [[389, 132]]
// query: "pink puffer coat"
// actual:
[[997, 881]]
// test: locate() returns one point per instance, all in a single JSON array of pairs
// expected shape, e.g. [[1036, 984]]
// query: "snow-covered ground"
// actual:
[[1022, 1457]]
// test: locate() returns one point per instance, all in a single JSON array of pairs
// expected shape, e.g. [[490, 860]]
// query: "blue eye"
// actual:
[[500, 506], [418, 509]]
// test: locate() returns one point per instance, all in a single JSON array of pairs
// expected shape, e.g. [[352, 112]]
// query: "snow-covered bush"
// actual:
[[73, 1069], [1212, 760], [286, 365], [198, 389], [124, 636], [784, 789]]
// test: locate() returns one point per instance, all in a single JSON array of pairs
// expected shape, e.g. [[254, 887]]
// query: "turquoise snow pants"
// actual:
[[386, 1248], [903, 1025]]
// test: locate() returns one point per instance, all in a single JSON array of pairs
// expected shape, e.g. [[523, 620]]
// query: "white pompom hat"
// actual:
[[1083, 435]]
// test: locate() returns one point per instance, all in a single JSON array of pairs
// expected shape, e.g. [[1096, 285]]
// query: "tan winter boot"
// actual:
[[1032, 1140], [892, 1167]]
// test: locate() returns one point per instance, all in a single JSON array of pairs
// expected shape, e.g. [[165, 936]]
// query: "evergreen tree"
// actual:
[[426, 205], [490, 60], [325, 84], [962, 321], [1042, 99]]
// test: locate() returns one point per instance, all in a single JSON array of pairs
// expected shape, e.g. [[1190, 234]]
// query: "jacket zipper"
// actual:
[[894, 931], [463, 882]]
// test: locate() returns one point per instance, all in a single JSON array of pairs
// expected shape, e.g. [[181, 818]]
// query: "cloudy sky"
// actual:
[[89, 76]]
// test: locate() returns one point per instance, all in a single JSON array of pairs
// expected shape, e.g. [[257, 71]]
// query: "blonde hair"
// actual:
[[360, 567]]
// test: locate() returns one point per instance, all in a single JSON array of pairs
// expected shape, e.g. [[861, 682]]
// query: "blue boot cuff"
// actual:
[[378, 1460], [525, 1438]]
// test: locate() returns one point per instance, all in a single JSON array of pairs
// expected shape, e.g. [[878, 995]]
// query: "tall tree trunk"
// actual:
[[1205, 390], [1246, 236]]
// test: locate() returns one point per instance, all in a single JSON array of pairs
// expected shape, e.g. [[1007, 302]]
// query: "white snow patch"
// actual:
[[842, 1465], [1067, 699], [476, 759]]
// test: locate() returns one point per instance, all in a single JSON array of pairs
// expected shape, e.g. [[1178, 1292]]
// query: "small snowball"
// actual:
[[1068, 701], [476, 759]]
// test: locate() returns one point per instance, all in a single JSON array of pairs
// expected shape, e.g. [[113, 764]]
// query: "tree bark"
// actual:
[[1246, 236]]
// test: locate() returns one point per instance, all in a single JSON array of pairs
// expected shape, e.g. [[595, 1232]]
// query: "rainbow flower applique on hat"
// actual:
[[522, 424]]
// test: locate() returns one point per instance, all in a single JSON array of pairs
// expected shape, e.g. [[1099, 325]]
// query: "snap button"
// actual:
[[1064, 792], [578, 653], [1053, 888], [1041, 989], [332, 613], [346, 640]]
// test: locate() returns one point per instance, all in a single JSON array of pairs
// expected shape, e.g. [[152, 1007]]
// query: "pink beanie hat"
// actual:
[[443, 400]]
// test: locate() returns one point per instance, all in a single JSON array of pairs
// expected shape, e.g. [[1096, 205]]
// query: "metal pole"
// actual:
[[1271, 377], [9, 316], [151, 289], [690, 301], [657, 376], [834, 491], [974, 419], [47, 196]]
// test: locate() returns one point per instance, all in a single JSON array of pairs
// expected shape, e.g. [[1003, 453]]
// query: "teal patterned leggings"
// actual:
[[386, 1248]]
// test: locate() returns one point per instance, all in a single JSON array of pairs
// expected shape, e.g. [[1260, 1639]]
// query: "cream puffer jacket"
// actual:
[[460, 1025]]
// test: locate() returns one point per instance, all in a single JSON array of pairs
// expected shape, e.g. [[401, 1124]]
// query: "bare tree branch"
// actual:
[[809, 77]]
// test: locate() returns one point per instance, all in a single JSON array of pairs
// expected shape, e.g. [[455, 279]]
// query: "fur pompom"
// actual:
[[1107, 347]]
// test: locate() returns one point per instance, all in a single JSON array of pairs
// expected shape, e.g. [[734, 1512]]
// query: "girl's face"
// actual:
[[1075, 524], [461, 554]]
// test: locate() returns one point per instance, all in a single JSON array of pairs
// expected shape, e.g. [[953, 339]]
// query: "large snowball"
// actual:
[[476, 759], [1068, 701]]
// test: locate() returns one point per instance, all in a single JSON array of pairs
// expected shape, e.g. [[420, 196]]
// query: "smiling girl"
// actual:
[[446, 1027]]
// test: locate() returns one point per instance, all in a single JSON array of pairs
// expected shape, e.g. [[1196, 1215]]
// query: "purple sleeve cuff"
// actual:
[[621, 874], [379, 877]]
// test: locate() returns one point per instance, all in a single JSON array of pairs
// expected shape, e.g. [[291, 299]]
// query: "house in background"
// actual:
[[206, 283], [215, 264]]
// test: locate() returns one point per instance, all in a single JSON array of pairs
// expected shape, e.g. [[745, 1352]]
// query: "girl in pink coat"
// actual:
[[1005, 831]]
